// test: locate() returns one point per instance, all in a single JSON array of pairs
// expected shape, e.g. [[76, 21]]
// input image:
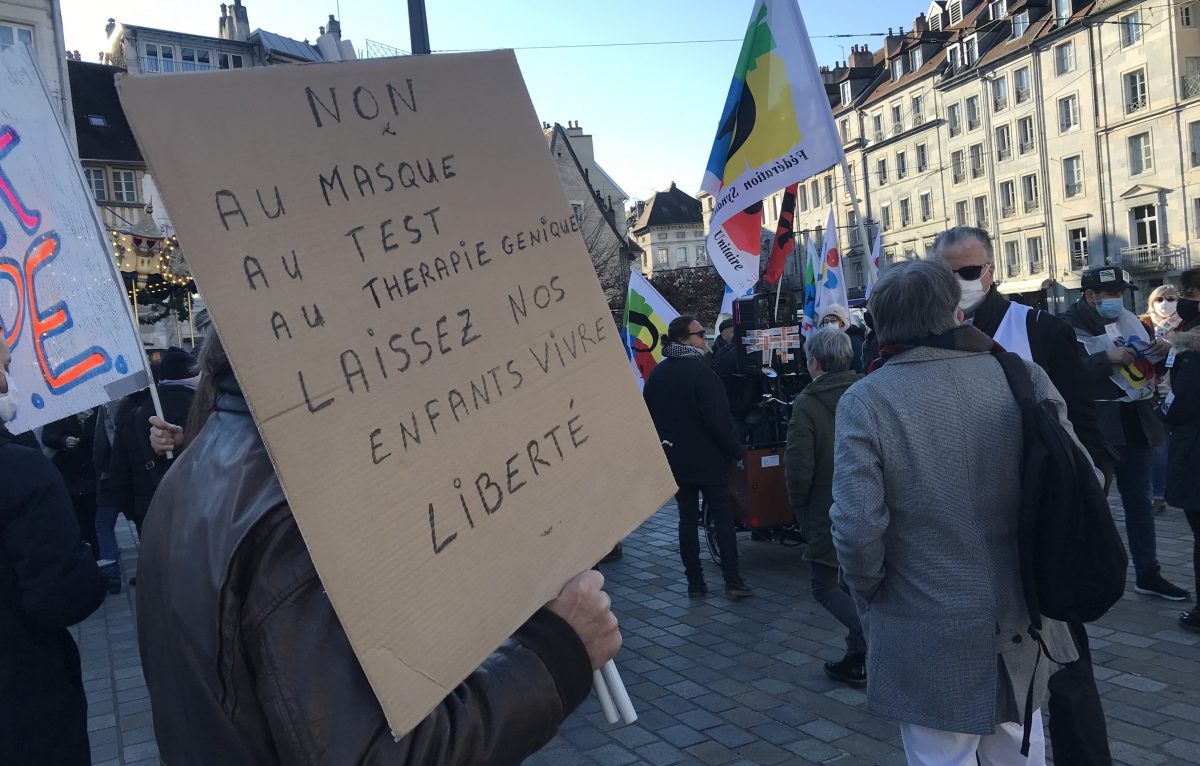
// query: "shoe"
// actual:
[[1160, 506], [1190, 620], [738, 589], [697, 589], [850, 670], [614, 555], [1154, 585]]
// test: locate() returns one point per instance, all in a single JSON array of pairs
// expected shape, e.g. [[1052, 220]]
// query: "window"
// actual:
[[662, 236], [1033, 247], [877, 125], [1064, 58], [918, 115], [997, 9], [897, 118], [901, 165], [803, 196], [850, 179], [701, 255], [1145, 225], [1020, 24], [885, 216], [829, 189], [1135, 91], [194, 60], [846, 90], [1196, 214], [954, 118], [1025, 134], [1141, 154], [11, 34], [981, 213], [1012, 255], [926, 205], [124, 186], [956, 11], [955, 60], [1068, 113], [1077, 243], [230, 61], [882, 169], [922, 158], [999, 94], [1003, 143], [915, 59], [1131, 29], [1185, 16], [972, 112], [1191, 76], [681, 256], [905, 212], [845, 128], [852, 225], [961, 209], [1062, 12], [159, 58], [97, 120], [1073, 176], [1029, 189], [971, 51], [898, 68], [1008, 200], [1194, 133], [1021, 76], [976, 151], [815, 188], [957, 170], [98, 183], [661, 258]]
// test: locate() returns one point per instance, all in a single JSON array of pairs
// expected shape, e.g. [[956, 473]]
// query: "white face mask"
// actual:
[[972, 295], [1167, 308], [8, 402]]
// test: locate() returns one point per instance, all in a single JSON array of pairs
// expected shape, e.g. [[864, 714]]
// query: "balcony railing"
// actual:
[[878, 136], [1135, 104], [976, 170], [1026, 147], [999, 103], [918, 119], [1022, 95], [1195, 159], [955, 129], [959, 176], [973, 124], [1154, 257], [1190, 85], [1008, 211], [1037, 267], [1004, 153], [1079, 260], [1074, 189], [160, 65], [1032, 205]]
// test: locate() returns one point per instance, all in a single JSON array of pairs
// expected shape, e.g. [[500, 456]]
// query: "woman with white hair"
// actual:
[[1161, 320], [835, 315]]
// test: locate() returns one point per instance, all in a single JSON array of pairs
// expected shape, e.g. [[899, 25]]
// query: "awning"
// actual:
[[1023, 286]]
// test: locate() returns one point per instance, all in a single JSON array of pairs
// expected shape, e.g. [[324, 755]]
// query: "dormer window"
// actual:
[[1062, 12], [956, 11], [1020, 24], [998, 9], [97, 121], [846, 92], [915, 59], [935, 22], [897, 69], [971, 51], [955, 59]]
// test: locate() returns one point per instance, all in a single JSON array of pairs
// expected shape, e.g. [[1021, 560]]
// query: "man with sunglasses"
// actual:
[[687, 402], [1077, 727]]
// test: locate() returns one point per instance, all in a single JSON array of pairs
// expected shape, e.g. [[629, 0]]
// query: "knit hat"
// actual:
[[175, 364], [837, 310]]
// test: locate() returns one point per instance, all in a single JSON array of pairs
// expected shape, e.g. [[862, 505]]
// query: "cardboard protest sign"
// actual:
[[62, 307], [412, 315]]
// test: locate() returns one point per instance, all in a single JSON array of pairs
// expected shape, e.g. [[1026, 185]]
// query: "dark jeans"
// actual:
[[829, 594], [85, 514], [106, 533], [1159, 475], [1193, 520], [1133, 474], [721, 510]]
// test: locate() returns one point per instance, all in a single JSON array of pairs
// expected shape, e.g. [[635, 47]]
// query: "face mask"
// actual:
[[1188, 309], [1110, 308], [1166, 308], [8, 403], [972, 295]]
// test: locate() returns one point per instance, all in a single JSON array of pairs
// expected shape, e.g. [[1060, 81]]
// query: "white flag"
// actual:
[[831, 285], [873, 264]]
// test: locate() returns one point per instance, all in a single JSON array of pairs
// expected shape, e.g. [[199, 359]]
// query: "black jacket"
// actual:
[[48, 581], [248, 665], [1121, 423], [1055, 349], [134, 470], [1183, 418], [687, 402], [74, 463]]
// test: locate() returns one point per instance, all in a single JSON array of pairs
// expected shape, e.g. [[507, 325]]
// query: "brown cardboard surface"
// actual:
[[423, 342]]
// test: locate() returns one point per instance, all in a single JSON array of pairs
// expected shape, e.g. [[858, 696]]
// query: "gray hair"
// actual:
[[957, 236], [831, 348], [914, 300]]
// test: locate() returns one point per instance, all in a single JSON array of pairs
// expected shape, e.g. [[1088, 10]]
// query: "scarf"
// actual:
[[680, 351], [961, 338]]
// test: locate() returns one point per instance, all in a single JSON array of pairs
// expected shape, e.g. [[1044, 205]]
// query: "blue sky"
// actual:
[[652, 108]]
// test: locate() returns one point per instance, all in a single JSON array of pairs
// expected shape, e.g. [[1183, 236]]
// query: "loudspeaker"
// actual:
[[757, 312]]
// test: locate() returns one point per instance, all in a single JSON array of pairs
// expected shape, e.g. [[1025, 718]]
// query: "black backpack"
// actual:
[[1073, 562]]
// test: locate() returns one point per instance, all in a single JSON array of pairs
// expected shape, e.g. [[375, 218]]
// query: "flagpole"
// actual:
[[858, 216]]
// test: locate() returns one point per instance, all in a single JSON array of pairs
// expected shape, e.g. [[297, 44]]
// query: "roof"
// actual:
[[94, 92], [673, 207], [559, 138], [278, 44], [216, 42]]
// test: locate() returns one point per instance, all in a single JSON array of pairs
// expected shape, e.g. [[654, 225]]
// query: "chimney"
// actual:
[[334, 27], [861, 57], [108, 28], [920, 24], [239, 23]]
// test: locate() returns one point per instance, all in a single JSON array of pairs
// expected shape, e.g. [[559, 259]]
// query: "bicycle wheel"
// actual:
[[710, 533]]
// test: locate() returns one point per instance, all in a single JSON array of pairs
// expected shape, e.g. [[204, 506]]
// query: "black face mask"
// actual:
[[1188, 309]]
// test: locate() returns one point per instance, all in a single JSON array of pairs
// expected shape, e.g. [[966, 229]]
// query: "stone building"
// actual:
[[670, 230], [38, 23]]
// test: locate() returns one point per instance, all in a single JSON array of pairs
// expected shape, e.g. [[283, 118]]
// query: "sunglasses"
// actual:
[[970, 273], [698, 333]]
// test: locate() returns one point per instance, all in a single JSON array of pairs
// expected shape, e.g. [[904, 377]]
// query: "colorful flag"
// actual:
[[784, 243], [647, 315], [873, 264], [809, 324], [831, 286], [728, 299], [776, 129]]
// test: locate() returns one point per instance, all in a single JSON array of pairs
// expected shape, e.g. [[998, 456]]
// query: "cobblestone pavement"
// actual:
[[723, 682]]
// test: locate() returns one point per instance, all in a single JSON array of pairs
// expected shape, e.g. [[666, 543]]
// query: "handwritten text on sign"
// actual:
[[415, 322]]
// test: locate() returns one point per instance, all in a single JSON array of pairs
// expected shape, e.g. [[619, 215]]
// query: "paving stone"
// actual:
[[681, 736]]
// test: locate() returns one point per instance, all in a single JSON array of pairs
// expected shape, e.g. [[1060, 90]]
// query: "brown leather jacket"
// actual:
[[247, 664]]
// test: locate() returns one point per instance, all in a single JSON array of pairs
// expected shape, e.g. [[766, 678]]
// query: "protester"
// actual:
[[724, 336], [1183, 418], [258, 670], [71, 439], [687, 403], [48, 581], [106, 515], [1127, 419], [836, 316], [808, 463], [925, 528], [1161, 320], [1078, 730], [870, 351]]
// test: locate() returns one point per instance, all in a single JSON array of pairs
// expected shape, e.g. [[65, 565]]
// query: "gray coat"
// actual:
[[924, 518]]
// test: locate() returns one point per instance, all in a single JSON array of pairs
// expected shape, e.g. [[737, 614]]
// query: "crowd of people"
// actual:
[[902, 464]]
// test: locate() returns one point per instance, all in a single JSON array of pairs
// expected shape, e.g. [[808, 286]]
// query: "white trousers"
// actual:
[[933, 747]]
